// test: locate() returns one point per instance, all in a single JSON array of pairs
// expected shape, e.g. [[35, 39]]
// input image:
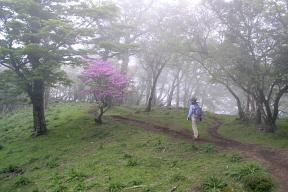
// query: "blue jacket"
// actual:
[[192, 110]]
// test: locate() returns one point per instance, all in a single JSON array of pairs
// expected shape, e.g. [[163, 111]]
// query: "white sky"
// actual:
[[191, 2]]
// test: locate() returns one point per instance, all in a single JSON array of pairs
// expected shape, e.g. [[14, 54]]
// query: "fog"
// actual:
[[228, 54]]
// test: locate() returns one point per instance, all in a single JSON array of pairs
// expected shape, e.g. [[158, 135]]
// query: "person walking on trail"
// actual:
[[194, 114]]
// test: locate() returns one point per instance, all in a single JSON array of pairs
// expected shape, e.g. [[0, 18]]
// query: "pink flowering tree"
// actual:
[[105, 83]]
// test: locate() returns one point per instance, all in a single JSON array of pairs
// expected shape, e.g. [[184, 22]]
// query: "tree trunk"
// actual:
[[38, 107], [46, 97], [98, 118], [270, 122], [151, 96], [154, 99], [252, 104], [239, 105], [139, 97], [271, 116], [270, 125], [148, 90], [187, 89], [240, 110], [155, 77], [248, 101], [178, 92], [171, 93], [149, 102], [125, 62], [170, 97], [258, 115]]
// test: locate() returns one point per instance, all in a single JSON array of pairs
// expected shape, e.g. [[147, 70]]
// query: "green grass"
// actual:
[[168, 117], [78, 155], [250, 133]]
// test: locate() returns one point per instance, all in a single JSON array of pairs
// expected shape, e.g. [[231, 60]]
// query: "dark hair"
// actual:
[[193, 100]]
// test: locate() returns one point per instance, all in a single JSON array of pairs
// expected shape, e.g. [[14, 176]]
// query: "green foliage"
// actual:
[[253, 178], [52, 162], [213, 184], [249, 169], [57, 184], [127, 156], [132, 163], [94, 157], [22, 181], [258, 183], [75, 176], [234, 64], [12, 169], [194, 147], [42, 35], [1, 147], [178, 177], [159, 145], [235, 158], [10, 88], [208, 148], [116, 187], [135, 183], [250, 133]]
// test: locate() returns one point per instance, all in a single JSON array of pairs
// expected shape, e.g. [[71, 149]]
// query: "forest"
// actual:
[[94, 95]]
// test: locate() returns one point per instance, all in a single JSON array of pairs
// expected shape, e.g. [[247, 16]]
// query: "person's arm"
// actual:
[[190, 112]]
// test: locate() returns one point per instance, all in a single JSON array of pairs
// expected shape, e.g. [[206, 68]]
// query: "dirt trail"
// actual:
[[275, 160]]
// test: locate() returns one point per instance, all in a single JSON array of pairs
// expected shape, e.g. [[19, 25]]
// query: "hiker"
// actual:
[[194, 114]]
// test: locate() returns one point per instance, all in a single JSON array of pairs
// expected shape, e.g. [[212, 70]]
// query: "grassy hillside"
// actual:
[[170, 117], [231, 128], [251, 133], [78, 155]]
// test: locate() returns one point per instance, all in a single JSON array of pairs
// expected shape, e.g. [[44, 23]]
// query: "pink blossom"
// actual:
[[104, 81]]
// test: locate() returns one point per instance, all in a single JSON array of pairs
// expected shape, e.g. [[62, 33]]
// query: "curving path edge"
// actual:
[[275, 160]]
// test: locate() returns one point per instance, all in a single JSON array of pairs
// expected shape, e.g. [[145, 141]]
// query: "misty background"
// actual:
[[175, 49]]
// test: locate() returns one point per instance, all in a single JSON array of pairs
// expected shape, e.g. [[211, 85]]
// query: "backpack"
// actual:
[[198, 112]]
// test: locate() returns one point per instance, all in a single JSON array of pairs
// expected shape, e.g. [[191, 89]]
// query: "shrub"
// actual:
[[52, 162], [12, 169], [147, 189], [235, 158], [138, 111], [75, 176], [59, 188], [1, 147], [57, 183], [178, 177], [132, 163], [174, 163], [127, 156], [115, 187], [208, 148], [80, 186], [258, 183], [213, 184], [194, 147], [22, 181], [247, 170], [32, 159], [135, 183]]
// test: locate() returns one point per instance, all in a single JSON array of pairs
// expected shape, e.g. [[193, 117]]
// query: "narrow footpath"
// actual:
[[275, 160]]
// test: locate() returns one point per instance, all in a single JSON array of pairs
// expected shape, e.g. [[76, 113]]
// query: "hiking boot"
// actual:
[[196, 138]]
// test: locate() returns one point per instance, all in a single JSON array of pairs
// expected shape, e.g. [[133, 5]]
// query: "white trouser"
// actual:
[[194, 126]]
